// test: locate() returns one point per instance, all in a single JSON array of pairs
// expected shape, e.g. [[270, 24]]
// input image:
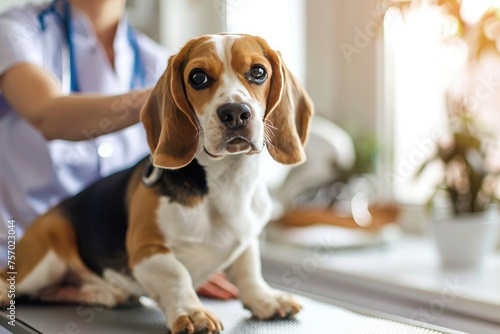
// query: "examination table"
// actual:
[[316, 317]]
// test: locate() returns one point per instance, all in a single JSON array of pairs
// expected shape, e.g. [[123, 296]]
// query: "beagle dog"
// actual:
[[196, 206]]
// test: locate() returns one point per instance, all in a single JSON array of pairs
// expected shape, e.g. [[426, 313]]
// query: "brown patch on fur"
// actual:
[[247, 51], [170, 122], [204, 56], [144, 238], [134, 181]]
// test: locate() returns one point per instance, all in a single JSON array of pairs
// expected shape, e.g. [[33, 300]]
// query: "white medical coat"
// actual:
[[36, 174]]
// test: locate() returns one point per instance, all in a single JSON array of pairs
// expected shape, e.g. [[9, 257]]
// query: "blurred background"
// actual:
[[396, 84]]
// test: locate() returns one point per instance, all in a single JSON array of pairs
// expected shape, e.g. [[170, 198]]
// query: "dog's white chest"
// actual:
[[210, 236]]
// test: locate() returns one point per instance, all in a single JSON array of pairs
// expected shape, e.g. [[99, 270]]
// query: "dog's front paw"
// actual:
[[272, 305], [197, 321]]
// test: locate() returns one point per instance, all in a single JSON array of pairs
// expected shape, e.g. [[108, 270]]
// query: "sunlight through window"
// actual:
[[425, 63]]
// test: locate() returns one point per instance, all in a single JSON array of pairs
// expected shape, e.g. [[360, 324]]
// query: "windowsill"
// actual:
[[402, 279]]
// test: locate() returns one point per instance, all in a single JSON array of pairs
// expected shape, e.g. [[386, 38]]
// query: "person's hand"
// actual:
[[218, 286], [38, 98]]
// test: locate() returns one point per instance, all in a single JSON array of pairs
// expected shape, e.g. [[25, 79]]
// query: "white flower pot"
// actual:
[[465, 241]]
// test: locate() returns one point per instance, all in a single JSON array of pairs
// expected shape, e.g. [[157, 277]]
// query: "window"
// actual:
[[424, 66]]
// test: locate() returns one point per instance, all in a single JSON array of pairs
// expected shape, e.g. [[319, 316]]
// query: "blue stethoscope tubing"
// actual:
[[139, 75]]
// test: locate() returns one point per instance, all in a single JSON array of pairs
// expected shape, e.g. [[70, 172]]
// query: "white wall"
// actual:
[[343, 88], [280, 22], [181, 20]]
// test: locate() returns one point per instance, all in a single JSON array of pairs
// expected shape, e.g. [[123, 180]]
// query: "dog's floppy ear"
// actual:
[[288, 111], [171, 124]]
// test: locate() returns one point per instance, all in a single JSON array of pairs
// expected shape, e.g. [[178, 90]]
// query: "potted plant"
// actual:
[[463, 213]]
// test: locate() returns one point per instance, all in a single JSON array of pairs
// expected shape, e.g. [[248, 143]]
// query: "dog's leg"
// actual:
[[160, 273], [95, 293], [40, 258], [168, 282], [83, 286], [45, 257], [255, 294], [27, 282]]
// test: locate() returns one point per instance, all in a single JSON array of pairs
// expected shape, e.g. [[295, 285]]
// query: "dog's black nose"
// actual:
[[234, 115]]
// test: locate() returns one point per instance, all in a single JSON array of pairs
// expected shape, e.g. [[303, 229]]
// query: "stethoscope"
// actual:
[[69, 69]]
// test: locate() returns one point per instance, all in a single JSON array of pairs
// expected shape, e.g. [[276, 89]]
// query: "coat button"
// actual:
[[105, 150]]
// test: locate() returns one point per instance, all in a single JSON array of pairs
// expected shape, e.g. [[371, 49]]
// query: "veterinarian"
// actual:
[[73, 78]]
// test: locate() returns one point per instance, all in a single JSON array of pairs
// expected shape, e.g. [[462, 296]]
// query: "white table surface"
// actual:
[[401, 278]]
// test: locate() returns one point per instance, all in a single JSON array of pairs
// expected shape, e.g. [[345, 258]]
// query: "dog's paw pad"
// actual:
[[197, 321]]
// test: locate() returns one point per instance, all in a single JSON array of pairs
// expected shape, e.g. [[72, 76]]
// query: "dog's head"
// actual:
[[226, 94]]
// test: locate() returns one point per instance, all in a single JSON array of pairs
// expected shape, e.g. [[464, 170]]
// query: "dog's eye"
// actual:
[[257, 74], [199, 79]]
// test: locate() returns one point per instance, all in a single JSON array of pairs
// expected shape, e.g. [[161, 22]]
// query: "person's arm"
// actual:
[[38, 98]]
